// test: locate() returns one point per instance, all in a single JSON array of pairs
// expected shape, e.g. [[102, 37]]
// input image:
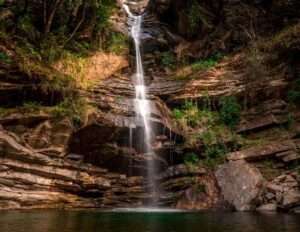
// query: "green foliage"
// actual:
[[26, 50], [178, 114], [118, 44], [200, 188], [217, 138], [26, 107], [27, 29], [194, 15], [214, 147], [4, 58], [77, 26], [51, 48], [75, 66], [51, 79], [31, 106], [104, 10], [168, 59], [71, 108], [269, 170], [3, 111], [207, 63], [191, 159], [215, 151], [290, 120], [190, 115], [285, 40], [230, 111], [294, 93]]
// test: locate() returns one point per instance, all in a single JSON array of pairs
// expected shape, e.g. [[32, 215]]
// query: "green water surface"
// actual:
[[96, 221]]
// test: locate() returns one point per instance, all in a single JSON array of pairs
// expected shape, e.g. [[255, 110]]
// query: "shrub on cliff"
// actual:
[[206, 63], [118, 44], [294, 93], [52, 26], [230, 111], [168, 59]]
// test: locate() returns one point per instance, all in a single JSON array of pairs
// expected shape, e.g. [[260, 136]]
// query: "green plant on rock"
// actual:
[[196, 14], [206, 63], [290, 121], [3, 111], [215, 151], [118, 43], [190, 115], [4, 58], [294, 93], [51, 47], [214, 148], [168, 59], [230, 111], [178, 114], [104, 10], [212, 128], [31, 106], [288, 38], [27, 29], [191, 160], [73, 108], [200, 188]]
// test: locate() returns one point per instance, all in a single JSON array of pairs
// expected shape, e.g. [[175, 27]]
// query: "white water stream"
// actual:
[[141, 103]]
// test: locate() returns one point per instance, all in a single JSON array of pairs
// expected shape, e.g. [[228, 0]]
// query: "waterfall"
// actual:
[[141, 103]]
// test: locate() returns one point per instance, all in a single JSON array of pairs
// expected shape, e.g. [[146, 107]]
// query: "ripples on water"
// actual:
[[124, 220]]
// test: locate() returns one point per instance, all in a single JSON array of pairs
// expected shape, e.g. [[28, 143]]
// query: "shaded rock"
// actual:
[[269, 113], [181, 170], [240, 183], [274, 188], [261, 123], [229, 77], [114, 134], [50, 182], [186, 187], [270, 196], [282, 149], [204, 194], [267, 207], [290, 199], [295, 210], [24, 119], [286, 190]]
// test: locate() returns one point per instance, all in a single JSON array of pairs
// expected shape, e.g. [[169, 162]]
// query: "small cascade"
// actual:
[[141, 103]]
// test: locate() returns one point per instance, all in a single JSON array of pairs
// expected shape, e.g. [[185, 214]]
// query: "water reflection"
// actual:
[[95, 221]]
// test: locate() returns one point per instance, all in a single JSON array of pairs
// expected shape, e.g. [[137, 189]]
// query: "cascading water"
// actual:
[[141, 103]]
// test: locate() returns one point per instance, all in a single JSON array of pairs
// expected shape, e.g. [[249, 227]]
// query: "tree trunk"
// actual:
[[78, 24], [50, 16]]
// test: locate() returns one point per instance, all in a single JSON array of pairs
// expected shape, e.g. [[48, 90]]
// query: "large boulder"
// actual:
[[241, 184]]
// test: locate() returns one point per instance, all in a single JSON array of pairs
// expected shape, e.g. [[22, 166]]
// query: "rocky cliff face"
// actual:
[[49, 158]]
